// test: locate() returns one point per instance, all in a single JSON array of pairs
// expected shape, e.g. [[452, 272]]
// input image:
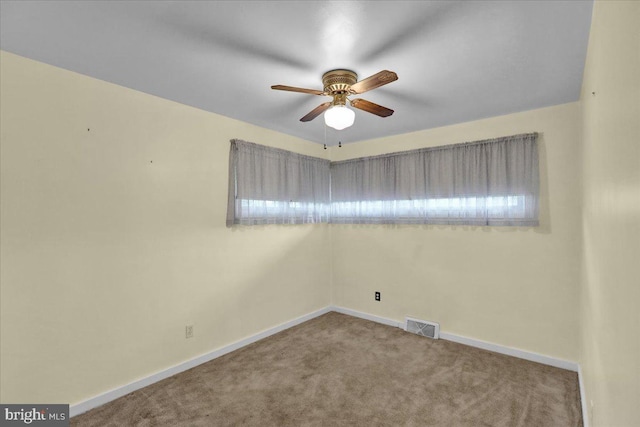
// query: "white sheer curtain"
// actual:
[[272, 186], [491, 182]]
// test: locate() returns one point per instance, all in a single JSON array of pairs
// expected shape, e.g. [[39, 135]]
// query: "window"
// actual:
[[491, 182], [272, 211], [272, 186], [461, 210]]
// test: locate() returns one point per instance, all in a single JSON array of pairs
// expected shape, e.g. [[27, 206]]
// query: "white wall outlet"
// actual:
[[188, 331]]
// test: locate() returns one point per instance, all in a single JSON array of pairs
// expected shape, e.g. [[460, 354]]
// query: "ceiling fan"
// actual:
[[340, 84]]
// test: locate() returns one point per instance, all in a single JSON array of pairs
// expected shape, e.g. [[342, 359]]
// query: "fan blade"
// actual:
[[372, 82], [316, 112], [370, 107], [298, 89]]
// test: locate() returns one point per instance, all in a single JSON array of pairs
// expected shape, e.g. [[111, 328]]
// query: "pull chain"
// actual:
[[325, 137]]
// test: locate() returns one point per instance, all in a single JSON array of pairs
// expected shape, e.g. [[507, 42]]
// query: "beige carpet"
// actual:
[[337, 370]]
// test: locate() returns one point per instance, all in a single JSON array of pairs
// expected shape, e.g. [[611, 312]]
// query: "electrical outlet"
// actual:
[[188, 331], [377, 296]]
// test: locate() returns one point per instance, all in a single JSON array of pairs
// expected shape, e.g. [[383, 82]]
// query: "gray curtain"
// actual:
[[491, 182], [272, 186]]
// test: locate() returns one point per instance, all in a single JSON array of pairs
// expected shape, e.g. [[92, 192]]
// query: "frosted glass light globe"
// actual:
[[339, 117]]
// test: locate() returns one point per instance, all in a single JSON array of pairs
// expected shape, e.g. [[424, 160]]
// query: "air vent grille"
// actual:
[[422, 328]]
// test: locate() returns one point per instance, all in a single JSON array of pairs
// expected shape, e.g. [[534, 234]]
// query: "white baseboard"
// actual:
[[583, 399], [110, 395], [510, 351], [497, 348], [367, 316]]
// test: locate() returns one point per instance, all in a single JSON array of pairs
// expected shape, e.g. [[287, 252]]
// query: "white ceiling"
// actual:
[[456, 61]]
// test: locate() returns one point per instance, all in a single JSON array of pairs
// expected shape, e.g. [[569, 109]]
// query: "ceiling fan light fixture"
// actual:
[[339, 117], [339, 84]]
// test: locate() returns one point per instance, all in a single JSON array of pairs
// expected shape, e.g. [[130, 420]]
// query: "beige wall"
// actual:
[[610, 312], [514, 287], [106, 256]]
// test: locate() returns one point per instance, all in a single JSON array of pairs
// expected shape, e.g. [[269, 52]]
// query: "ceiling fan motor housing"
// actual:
[[337, 84], [338, 81]]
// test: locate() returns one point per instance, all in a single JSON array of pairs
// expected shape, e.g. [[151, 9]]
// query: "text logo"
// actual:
[[53, 415]]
